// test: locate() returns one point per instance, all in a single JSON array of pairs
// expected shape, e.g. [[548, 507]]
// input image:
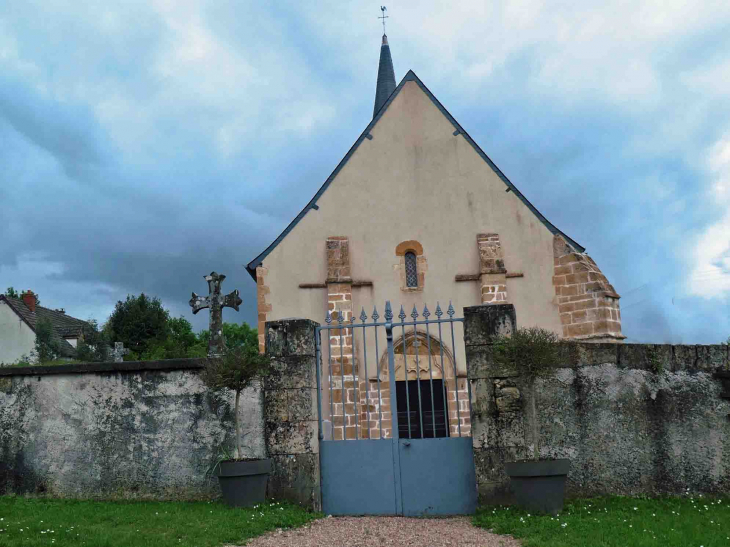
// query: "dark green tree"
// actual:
[[46, 344], [93, 346], [180, 341], [140, 322], [236, 369], [11, 292], [235, 335]]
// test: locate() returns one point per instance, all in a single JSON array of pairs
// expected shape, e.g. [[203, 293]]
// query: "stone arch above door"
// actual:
[[415, 356]]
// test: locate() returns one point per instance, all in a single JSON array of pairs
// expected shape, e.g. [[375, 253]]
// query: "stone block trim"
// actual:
[[264, 308], [342, 367], [338, 259], [587, 302], [493, 274]]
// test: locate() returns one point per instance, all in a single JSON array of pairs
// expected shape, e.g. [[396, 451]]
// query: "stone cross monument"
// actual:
[[216, 302], [119, 352]]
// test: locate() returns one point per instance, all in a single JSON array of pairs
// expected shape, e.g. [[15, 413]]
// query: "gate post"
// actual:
[[290, 412], [497, 426]]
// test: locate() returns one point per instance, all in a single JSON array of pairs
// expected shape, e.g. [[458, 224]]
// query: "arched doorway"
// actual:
[[424, 379]]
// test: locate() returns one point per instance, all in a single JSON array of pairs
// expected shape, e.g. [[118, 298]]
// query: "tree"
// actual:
[[93, 346], [140, 322], [235, 335], [180, 341], [236, 369], [46, 344]]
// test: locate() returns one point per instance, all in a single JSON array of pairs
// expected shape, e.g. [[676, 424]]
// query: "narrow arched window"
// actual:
[[411, 270]]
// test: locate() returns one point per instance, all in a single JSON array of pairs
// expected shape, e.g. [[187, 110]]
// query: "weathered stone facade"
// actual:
[[119, 430], [633, 419], [587, 302], [290, 412]]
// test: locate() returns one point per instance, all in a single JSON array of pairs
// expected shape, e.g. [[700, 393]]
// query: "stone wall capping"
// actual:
[[290, 337], [86, 368], [482, 322]]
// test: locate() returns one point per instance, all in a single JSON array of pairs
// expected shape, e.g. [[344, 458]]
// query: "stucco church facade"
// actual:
[[416, 213]]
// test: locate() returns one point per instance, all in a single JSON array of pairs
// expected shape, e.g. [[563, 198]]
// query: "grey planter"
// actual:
[[539, 485], [243, 483]]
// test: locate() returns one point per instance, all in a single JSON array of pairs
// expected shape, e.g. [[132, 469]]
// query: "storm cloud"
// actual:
[[144, 144]]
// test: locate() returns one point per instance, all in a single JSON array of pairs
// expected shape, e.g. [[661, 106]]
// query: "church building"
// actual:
[[417, 213]]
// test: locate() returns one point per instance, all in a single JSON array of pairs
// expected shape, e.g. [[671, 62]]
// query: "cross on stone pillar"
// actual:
[[119, 352], [216, 302]]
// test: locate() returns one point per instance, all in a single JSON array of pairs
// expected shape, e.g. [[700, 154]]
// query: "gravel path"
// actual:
[[377, 531]]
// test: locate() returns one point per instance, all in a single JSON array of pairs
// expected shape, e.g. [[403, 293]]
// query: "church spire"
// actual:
[[386, 76]]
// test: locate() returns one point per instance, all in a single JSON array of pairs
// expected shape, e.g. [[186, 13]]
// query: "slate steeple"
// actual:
[[386, 76]]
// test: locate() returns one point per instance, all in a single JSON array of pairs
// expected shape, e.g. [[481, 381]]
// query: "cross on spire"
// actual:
[[216, 302], [383, 9]]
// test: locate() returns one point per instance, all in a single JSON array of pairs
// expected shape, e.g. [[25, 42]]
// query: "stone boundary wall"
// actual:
[[632, 418], [147, 429]]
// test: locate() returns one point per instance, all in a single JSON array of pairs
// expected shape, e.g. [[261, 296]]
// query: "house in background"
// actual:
[[18, 317]]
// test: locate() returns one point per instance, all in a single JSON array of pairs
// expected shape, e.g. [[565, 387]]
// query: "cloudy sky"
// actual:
[[146, 143]]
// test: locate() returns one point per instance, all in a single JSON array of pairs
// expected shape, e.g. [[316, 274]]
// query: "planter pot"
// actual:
[[243, 483], [539, 485]]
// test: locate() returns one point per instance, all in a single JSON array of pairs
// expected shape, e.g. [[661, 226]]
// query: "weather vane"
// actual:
[[383, 9]]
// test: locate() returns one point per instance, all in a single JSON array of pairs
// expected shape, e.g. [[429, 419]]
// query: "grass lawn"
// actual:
[[687, 521], [33, 522]]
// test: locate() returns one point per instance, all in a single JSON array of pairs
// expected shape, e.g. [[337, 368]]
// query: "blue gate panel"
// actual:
[[437, 476], [358, 477]]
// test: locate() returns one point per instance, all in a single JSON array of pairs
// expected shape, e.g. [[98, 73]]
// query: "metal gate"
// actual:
[[391, 446]]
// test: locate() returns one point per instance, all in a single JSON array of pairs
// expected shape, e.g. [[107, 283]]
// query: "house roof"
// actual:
[[64, 326], [458, 130]]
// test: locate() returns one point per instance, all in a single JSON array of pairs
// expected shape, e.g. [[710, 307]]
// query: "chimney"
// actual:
[[29, 300]]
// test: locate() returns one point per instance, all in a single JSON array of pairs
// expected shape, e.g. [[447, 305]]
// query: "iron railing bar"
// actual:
[[405, 370], [367, 378], [391, 385], [400, 324], [443, 383], [318, 346], [430, 376], [354, 381], [355, 387], [329, 373], [456, 381], [380, 397], [342, 377], [418, 379]]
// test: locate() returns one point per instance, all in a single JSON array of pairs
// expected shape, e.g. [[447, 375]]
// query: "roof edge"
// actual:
[[409, 77]]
